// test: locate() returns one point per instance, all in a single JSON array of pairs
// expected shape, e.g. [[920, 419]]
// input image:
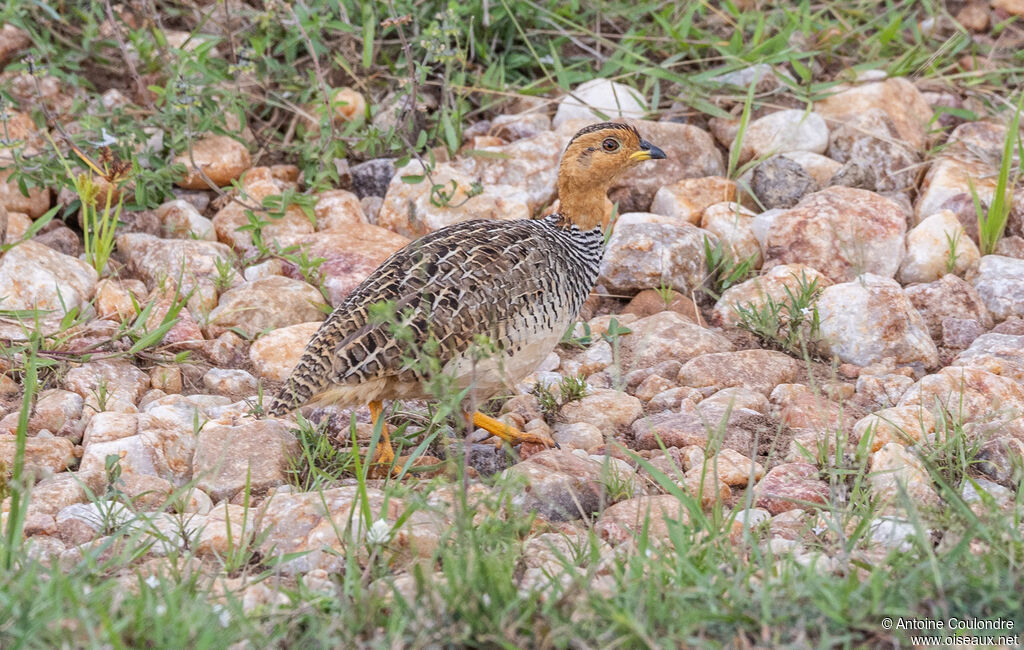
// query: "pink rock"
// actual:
[[791, 486], [221, 158]]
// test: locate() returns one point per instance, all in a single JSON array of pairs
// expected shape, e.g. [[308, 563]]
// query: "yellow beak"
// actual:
[[647, 152]]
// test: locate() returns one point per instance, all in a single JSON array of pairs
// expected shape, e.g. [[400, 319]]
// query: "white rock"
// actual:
[[782, 131], [870, 318], [928, 249], [593, 98], [1000, 283]]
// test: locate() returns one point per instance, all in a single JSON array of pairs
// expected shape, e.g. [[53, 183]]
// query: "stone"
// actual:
[[842, 232], [869, 319], [930, 246], [781, 131], [756, 370], [948, 297], [228, 458], [168, 379], [1000, 284], [895, 472], [12, 41], [221, 158], [974, 16], [756, 292], [34, 276], [739, 429], [337, 210], [874, 157], [880, 391], [413, 209], [970, 158], [559, 484], [959, 333], [902, 103], [310, 531], [672, 398], [114, 298], [43, 455], [1010, 246], [577, 435], [800, 407], [627, 520], [349, 255], [779, 182], [686, 199], [108, 385], [228, 528], [647, 251], [730, 467], [347, 105], [600, 99], [821, 169], [179, 219], [1015, 7], [276, 353], [651, 301], [54, 493], [60, 413], [667, 336], [232, 222], [1000, 354], [183, 263], [904, 425], [608, 410], [528, 165], [266, 304], [736, 397], [371, 178], [519, 125], [596, 358], [732, 224], [226, 381], [154, 448], [1002, 459], [35, 204], [791, 486], [971, 395]]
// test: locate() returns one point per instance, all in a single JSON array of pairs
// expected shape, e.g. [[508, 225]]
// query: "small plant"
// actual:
[[613, 335], [952, 243], [570, 340], [789, 324], [225, 274], [723, 270], [570, 389], [992, 222], [320, 463], [665, 291]]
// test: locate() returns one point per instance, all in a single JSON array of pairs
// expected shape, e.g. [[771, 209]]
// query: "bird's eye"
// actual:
[[610, 144]]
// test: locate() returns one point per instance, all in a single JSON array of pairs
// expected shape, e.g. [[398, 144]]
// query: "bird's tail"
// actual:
[[292, 395]]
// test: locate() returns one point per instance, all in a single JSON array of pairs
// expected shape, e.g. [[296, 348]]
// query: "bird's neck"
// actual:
[[583, 204]]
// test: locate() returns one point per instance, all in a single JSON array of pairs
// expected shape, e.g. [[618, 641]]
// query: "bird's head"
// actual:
[[595, 157]]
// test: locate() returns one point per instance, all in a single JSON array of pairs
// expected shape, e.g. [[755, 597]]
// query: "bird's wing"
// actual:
[[435, 296]]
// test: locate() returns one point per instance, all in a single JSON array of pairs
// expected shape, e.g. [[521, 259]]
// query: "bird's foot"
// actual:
[[508, 434]]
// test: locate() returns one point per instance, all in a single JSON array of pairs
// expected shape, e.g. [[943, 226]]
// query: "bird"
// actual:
[[515, 284]]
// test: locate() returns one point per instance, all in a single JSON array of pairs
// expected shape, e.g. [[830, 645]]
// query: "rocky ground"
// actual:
[[913, 341]]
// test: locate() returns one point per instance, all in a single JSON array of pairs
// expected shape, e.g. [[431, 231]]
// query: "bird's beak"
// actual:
[[647, 152]]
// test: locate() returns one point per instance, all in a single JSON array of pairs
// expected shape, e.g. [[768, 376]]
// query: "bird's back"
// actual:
[[514, 284]]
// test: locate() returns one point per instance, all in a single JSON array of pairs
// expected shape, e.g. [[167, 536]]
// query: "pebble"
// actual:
[[221, 158], [647, 251]]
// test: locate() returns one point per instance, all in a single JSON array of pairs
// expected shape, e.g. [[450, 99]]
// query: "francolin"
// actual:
[[516, 284]]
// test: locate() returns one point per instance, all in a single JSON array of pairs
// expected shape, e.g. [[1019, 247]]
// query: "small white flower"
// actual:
[[379, 532], [223, 615], [161, 609], [486, 600], [152, 582], [806, 311]]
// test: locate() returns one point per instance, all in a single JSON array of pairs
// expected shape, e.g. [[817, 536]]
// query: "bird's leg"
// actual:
[[385, 454], [509, 434]]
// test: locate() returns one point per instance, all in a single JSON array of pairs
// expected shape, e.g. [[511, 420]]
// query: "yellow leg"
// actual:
[[385, 454], [509, 434]]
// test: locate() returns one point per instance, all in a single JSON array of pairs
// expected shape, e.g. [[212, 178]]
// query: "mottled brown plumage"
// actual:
[[518, 284]]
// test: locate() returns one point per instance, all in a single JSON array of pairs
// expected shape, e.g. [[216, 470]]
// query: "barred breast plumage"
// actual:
[[518, 284]]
